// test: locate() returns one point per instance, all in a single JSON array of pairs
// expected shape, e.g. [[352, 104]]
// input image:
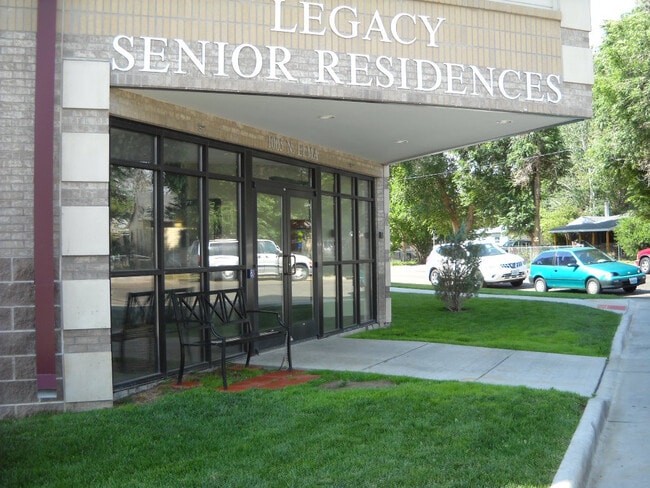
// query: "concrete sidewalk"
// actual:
[[622, 454], [578, 374]]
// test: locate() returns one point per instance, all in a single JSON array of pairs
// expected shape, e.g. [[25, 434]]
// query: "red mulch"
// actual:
[[621, 308], [185, 385], [272, 380]]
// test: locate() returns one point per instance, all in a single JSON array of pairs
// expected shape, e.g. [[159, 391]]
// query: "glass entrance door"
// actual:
[[284, 258]]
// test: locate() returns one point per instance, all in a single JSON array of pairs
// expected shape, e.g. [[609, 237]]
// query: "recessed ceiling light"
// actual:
[[504, 121], [402, 141], [326, 117]]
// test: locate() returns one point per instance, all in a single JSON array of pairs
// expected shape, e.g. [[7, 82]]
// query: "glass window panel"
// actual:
[[286, 173], [347, 229], [194, 355], [223, 162], [346, 185], [330, 315], [328, 182], [302, 297], [181, 154], [363, 188], [131, 146], [223, 209], [134, 336], [349, 294], [181, 214], [328, 209], [364, 230], [132, 219], [269, 260], [223, 231], [365, 293]]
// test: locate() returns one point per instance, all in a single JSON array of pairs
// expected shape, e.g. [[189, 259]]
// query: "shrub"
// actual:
[[459, 277]]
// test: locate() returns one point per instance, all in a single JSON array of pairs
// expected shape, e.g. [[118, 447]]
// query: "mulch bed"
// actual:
[[272, 380]]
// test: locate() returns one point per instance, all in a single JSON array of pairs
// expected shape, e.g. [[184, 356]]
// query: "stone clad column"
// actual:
[[85, 240]]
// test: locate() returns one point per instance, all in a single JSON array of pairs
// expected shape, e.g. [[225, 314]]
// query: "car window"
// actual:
[[267, 247], [223, 248], [544, 259], [592, 256], [444, 251], [485, 250], [564, 258]]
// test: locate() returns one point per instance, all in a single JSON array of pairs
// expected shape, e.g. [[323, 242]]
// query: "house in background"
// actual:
[[597, 231]]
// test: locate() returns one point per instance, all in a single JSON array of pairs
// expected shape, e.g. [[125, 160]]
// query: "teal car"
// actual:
[[584, 268]]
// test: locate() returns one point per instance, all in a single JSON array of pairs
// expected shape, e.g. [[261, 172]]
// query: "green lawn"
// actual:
[[530, 325], [405, 432], [408, 433]]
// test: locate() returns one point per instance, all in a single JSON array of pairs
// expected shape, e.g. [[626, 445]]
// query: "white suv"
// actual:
[[496, 265], [225, 252]]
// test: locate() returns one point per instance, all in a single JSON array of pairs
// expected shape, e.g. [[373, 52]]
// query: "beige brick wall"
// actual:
[[18, 389], [478, 33]]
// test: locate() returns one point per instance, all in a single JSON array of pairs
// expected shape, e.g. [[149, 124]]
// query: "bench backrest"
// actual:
[[222, 311], [226, 311], [139, 309]]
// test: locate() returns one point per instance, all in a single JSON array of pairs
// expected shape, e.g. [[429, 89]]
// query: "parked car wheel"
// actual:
[[301, 273], [644, 264], [434, 277], [593, 286], [540, 285]]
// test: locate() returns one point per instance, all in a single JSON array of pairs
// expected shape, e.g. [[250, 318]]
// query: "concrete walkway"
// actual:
[[578, 374], [610, 448], [622, 457]]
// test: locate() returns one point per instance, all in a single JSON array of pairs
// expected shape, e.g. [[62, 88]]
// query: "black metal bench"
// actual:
[[220, 318]]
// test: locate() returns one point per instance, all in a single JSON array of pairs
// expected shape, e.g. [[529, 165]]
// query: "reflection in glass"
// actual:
[[364, 229], [223, 230], [365, 293], [223, 162], [194, 355], [181, 154], [223, 209], [348, 298], [347, 229], [132, 219], [363, 188], [133, 328], [328, 217], [181, 213], [302, 309], [128, 146], [330, 319], [265, 169], [327, 182], [269, 261], [346, 185]]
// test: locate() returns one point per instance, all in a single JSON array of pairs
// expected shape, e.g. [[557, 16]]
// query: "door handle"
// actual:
[[289, 264]]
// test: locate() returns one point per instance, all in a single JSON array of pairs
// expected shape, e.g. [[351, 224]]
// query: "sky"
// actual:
[[602, 10]]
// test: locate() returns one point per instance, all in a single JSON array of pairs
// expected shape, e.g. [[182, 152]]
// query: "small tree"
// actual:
[[459, 278]]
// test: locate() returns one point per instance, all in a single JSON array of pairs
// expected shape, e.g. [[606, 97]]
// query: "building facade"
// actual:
[[150, 146]]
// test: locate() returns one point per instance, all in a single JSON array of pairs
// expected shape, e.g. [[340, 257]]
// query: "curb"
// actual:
[[576, 464]]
